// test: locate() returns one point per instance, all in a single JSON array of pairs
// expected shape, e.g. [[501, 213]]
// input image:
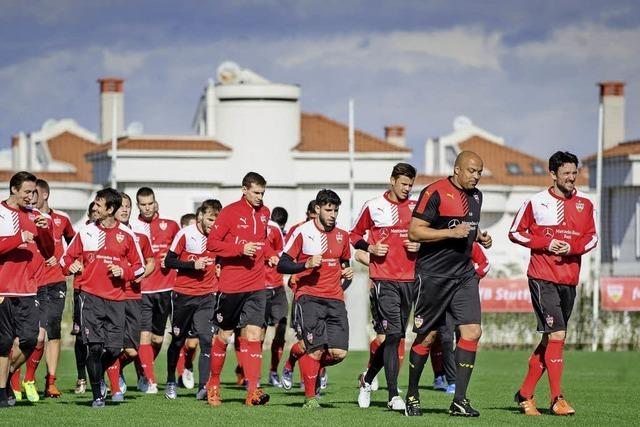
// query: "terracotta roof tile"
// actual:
[[6, 175], [71, 148], [165, 143], [319, 133], [623, 149]]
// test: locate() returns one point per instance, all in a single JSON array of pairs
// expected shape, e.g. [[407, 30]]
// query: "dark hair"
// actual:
[[112, 198], [403, 169], [19, 178], [280, 216], [41, 183], [145, 192], [90, 209], [311, 207], [125, 196], [253, 178], [326, 197], [186, 219], [210, 204], [559, 158]]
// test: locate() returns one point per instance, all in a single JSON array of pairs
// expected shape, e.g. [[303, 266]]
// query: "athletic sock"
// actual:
[[138, 365], [172, 360], [465, 359], [391, 364], [15, 380], [376, 363], [277, 346], [237, 345], [145, 353], [555, 364], [401, 351], [309, 369], [189, 355], [181, 360], [536, 369], [417, 358], [50, 379], [251, 363], [437, 358], [94, 368], [295, 353], [32, 363], [113, 373], [124, 360], [81, 358], [373, 348], [218, 354]]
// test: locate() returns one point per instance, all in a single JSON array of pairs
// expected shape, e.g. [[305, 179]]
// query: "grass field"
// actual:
[[602, 387]]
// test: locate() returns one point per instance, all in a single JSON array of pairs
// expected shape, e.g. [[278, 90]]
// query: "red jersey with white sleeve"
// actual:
[[22, 263], [292, 230], [190, 244], [545, 217], [479, 260], [275, 240], [131, 288], [387, 221], [97, 247], [237, 224], [161, 232], [62, 233], [324, 281]]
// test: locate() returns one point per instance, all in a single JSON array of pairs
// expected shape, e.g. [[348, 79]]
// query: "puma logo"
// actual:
[[450, 195], [244, 221], [546, 205]]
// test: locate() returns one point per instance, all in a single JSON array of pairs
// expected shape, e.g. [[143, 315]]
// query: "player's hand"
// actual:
[[27, 236], [139, 279], [115, 270], [76, 267], [485, 240], [273, 261], [379, 249], [41, 222], [51, 261], [460, 231], [313, 262], [411, 246], [202, 262], [250, 248], [558, 247], [347, 273]]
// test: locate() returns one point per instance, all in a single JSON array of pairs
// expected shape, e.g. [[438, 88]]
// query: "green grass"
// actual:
[[602, 387]]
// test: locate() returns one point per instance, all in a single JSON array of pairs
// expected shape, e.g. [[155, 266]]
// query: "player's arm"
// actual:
[[345, 263], [9, 243], [427, 210], [288, 261], [589, 238], [44, 238], [71, 261], [215, 241], [134, 267], [362, 257], [520, 230], [68, 232], [149, 259]]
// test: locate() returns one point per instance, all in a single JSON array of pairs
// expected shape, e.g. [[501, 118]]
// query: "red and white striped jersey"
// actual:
[[324, 281], [387, 221], [190, 244], [545, 217], [131, 288]]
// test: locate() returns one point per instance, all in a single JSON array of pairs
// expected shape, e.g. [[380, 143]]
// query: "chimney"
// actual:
[[612, 95], [111, 99], [395, 135]]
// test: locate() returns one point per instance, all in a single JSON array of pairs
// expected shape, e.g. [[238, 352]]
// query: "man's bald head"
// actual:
[[467, 170]]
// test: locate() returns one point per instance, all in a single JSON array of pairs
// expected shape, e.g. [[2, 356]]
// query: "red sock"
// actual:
[[218, 354], [295, 353], [277, 346], [145, 353], [32, 363], [309, 368], [373, 347], [113, 372], [252, 362], [437, 359], [536, 369], [181, 360], [51, 379], [555, 363], [15, 380], [401, 351]]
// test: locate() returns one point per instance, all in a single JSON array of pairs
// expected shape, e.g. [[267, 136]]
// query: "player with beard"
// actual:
[[318, 254], [558, 225]]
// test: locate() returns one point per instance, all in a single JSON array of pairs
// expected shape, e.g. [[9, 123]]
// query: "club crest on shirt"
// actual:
[[385, 324], [76, 329], [412, 205], [418, 321], [339, 237], [476, 198], [120, 237], [176, 331], [86, 332], [163, 226], [219, 317], [579, 205], [263, 219], [57, 221], [310, 337], [549, 320]]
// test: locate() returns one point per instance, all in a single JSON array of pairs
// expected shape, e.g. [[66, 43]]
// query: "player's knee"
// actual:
[[380, 338], [471, 332], [253, 333], [558, 335], [157, 339], [338, 354], [316, 354], [131, 352], [225, 335]]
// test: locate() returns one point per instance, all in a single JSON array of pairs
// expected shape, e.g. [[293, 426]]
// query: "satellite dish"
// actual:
[[49, 123], [135, 128], [462, 122], [228, 73]]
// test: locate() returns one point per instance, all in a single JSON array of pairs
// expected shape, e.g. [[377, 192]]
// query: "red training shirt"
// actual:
[[275, 240], [62, 230], [132, 290], [190, 244]]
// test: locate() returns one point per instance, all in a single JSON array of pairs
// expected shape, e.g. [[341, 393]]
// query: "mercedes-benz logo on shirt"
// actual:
[[548, 232], [384, 233], [454, 223]]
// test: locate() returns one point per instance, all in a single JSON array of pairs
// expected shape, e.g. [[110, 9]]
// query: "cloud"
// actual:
[[123, 62]]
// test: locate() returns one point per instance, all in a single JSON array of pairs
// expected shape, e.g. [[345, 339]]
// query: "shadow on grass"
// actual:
[[299, 405]]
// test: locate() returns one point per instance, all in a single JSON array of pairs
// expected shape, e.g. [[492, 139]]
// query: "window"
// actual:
[[514, 169], [538, 169]]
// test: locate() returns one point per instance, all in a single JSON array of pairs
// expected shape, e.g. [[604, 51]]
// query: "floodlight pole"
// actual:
[[598, 250], [352, 144], [114, 147]]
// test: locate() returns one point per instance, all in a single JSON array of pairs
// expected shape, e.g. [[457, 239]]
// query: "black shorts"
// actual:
[[51, 299], [239, 310], [322, 322], [390, 306], [552, 304], [191, 316], [132, 314], [277, 306], [156, 307], [436, 296], [18, 318], [102, 321], [77, 307]]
